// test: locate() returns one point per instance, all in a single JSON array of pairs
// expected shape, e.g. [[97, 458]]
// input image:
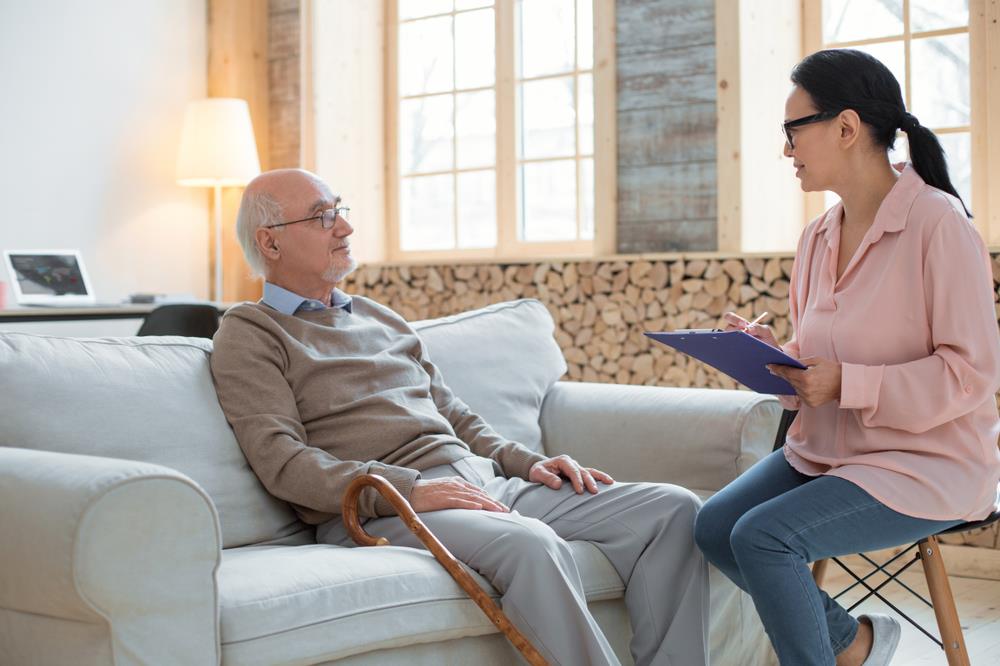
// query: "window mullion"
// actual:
[[576, 112]]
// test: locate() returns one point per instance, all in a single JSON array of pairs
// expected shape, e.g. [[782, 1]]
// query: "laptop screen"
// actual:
[[48, 274]]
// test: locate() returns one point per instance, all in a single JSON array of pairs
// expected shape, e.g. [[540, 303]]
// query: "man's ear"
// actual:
[[850, 127], [267, 243]]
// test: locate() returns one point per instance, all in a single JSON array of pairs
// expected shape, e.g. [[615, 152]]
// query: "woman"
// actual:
[[891, 306]]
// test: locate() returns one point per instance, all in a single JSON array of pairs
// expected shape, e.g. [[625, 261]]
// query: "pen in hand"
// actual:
[[757, 320]]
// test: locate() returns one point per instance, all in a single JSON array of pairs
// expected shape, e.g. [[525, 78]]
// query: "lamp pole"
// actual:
[[217, 264]]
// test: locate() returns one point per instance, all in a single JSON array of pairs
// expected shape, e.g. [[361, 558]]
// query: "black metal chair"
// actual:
[[928, 551], [190, 319]]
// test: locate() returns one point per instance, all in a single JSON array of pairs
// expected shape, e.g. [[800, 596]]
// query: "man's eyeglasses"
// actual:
[[327, 218], [789, 125]]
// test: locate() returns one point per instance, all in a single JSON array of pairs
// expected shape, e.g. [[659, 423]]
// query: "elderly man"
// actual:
[[321, 387]]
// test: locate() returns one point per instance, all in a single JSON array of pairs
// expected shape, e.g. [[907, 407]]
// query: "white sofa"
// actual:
[[132, 530]]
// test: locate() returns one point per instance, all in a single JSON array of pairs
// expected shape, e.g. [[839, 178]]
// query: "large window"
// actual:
[[945, 53], [925, 43], [496, 138]]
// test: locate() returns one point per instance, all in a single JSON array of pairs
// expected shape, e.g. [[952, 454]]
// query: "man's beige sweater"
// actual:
[[320, 397]]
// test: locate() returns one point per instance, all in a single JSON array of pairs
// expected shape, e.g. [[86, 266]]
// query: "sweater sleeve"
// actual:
[[514, 459], [963, 370], [248, 364]]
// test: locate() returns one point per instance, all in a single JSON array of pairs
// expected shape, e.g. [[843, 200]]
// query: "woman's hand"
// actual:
[[734, 322], [817, 385]]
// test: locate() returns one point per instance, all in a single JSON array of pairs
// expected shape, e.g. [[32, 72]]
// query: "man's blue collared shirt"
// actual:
[[288, 302]]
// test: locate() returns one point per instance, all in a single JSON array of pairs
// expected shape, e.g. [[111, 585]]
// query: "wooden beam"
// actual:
[[728, 135], [391, 97], [237, 67], [606, 130], [984, 79]]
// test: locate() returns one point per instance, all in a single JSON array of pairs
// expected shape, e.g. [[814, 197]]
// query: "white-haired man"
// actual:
[[321, 387]]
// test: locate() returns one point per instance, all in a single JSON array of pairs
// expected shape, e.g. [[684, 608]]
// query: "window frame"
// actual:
[[605, 147], [984, 90]]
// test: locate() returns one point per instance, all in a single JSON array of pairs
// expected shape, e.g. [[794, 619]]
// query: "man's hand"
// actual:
[[451, 492], [548, 472], [817, 385]]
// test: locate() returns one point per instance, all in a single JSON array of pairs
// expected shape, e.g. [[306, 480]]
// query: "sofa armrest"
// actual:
[[127, 546], [698, 438]]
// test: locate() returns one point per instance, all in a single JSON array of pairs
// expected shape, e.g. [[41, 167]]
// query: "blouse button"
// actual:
[[968, 389]]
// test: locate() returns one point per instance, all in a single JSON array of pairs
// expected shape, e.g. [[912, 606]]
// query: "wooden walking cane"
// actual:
[[447, 560]]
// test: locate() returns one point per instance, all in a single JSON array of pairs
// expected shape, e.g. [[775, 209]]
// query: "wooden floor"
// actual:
[[978, 603]]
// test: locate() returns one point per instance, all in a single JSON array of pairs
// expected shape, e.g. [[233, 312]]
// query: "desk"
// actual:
[[114, 320], [26, 314]]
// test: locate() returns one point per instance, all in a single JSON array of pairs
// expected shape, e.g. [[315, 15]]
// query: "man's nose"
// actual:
[[343, 229], [787, 149]]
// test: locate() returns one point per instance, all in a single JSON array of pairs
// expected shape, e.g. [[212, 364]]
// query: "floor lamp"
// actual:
[[217, 150]]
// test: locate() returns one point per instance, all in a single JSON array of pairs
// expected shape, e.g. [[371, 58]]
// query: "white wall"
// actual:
[[770, 45], [92, 97]]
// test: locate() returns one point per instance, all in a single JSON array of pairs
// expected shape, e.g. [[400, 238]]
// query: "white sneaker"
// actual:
[[885, 630]]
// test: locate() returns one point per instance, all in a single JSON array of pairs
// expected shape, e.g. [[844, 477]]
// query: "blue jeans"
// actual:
[[764, 528]]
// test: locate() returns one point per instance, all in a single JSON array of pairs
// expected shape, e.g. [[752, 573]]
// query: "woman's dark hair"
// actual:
[[839, 79]]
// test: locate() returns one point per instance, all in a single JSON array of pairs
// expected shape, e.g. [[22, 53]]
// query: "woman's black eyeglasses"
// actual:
[[328, 218], [805, 120]]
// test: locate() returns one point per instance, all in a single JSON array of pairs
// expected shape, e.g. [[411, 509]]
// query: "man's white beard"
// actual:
[[335, 274]]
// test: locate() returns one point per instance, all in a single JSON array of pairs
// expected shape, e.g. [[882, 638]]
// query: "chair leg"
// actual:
[[944, 603], [819, 571]]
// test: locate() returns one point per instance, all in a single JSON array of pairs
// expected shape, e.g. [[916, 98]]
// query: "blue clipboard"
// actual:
[[737, 354]]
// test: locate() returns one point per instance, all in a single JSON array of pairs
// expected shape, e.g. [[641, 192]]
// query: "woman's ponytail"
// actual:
[[927, 157]]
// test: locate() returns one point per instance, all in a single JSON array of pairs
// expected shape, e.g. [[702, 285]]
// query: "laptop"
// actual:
[[49, 277]]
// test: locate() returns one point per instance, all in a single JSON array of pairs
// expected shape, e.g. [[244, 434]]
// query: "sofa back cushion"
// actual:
[[147, 399], [500, 360], [152, 399]]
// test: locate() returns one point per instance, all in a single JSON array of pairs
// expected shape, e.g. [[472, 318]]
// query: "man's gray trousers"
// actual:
[[644, 529]]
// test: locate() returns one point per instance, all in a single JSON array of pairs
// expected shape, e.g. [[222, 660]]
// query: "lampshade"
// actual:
[[217, 144]]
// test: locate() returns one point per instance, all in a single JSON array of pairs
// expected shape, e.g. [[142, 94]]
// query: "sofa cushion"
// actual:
[[147, 399], [306, 604], [500, 360]]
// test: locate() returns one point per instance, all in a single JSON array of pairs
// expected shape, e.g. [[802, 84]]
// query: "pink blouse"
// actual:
[[912, 322]]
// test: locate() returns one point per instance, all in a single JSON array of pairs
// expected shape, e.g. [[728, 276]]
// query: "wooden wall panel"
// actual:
[[652, 26], [667, 135], [673, 76], [237, 67], [666, 125], [284, 67], [681, 191]]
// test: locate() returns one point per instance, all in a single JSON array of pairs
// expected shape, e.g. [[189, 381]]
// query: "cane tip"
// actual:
[[381, 541]]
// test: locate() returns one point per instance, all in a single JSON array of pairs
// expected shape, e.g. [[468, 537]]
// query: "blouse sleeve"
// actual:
[[963, 370]]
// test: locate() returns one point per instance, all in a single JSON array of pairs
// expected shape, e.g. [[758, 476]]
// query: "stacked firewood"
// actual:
[[602, 308]]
